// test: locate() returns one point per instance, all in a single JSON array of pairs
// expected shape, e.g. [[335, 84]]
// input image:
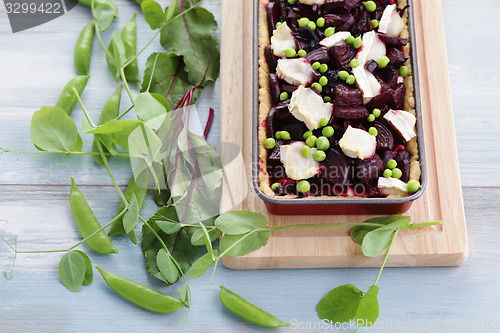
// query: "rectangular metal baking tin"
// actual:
[[337, 206]]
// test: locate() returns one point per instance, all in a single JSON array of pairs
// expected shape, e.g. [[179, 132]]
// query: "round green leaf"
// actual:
[[52, 129], [376, 241], [240, 222], [72, 270], [167, 266], [243, 244], [150, 110], [153, 13], [198, 238], [104, 14], [201, 265], [359, 232], [89, 273], [169, 227]]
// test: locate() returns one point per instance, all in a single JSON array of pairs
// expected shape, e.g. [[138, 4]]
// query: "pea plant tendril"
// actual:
[[184, 170]]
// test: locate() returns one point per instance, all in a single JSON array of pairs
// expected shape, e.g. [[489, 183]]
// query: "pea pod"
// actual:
[[83, 49], [109, 112], [140, 295], [87, 222], [242, 308], [129, 37], [140, 193], [67, 99]]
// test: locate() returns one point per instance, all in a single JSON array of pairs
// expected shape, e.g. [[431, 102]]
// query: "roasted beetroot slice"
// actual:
[[341, 56], [390, 76], [288, 88], [275, 88], [275, 117], [282, 111], [295, 127], [351, 112], [273, 12], [393, 41], [349, 4], [363, 24], [270, 123], [320, 54], [306, 38], [380, 100], [271, 59], [273, 156], [346, 95], [333, 4], [403, 158], [368, 170], [335, 168], [355, 123], [337, 19], [385, 139], [396, 56], [293, 16], [283, 8], [398, 97], [372, 189], [387, 155], [371, 65]]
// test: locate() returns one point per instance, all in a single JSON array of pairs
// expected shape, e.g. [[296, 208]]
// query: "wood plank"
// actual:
[[444, 245]]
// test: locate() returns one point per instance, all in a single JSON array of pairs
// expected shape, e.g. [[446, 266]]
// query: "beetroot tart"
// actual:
[[337, 114]]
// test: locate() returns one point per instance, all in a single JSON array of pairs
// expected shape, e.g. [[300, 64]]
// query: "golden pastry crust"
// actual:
[[265, 105]]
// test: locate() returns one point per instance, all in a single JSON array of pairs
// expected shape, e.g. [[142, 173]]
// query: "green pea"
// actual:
[[397, 173], [403, 71], [371, 118], [305, 151], [290, 53], [323, 81], [278, 135], [370, 6], [283, 96], [351, 79], [413, 186], [322, 143], [323, 121], [311, 141], [328, 131], [275, 186], [292, 2], [343, 75], [375, 24], [303, 186], [311, 25], [329, 31], [302, 53], [387, 173], [392, 164], [376, 113], [303, 22], [354, 63], [323, 68], [373, 131], [318, 87], [319, 155], [383, 62], [357, 42], [285, 135], [307, 134], [316, 65], [327, 99], [350, 40], [321, 22], [278, 24], [270, 143]]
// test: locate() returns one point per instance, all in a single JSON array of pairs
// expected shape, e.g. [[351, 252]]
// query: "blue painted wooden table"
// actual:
[[35, 65]]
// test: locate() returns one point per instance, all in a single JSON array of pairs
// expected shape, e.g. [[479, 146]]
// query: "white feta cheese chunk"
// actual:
[[336, 39], [391, 23], [403, 121], [282, 39], [372, 48], [392, 186], [296, 165], [367, 83], [309, 107], [313, 2], [357, 143], [295, 71]]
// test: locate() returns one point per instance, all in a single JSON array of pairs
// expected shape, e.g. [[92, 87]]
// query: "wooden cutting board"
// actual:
[[444, 245]]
